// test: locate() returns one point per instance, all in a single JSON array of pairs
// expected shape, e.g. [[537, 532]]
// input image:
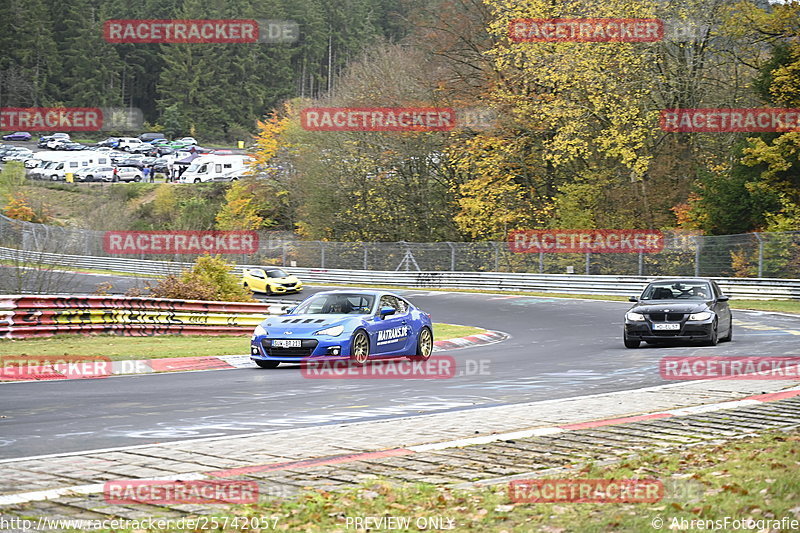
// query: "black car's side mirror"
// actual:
[[723, 299], [633, 299]]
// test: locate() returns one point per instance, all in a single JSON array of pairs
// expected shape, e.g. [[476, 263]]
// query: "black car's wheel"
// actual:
[[424, 345], [714, 338], [729, 336], [267, 364], [630, 343], [359, 348]]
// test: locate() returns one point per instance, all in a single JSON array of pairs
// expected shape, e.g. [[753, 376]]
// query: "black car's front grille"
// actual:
[[306, 348], [666, 317]]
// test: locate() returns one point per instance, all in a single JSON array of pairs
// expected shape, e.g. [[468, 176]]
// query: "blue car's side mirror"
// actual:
[[290, 310], [385, 311]]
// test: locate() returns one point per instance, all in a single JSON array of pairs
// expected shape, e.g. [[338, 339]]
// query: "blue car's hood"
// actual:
[[300, 324]]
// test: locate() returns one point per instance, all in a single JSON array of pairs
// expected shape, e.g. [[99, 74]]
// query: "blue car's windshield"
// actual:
[[356, 304]]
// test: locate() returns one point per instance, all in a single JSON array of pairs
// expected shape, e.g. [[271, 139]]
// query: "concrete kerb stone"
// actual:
[[390, 437]]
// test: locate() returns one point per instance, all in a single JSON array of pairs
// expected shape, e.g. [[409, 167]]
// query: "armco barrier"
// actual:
[[752, 288], [27, 316]]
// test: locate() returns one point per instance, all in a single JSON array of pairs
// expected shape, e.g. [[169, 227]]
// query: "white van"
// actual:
[[127, 143], [55, 166], [216, 168]]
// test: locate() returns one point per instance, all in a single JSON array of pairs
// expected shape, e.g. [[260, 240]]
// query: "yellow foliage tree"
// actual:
[[270, 139], [240, 211]]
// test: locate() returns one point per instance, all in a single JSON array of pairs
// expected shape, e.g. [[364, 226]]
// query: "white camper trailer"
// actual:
[[216, 168]]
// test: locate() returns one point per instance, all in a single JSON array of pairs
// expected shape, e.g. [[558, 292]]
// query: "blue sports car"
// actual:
[[355, 324]]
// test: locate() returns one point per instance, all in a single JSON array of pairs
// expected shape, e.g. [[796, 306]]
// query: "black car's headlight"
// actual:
[[701, 316], [634, 317]]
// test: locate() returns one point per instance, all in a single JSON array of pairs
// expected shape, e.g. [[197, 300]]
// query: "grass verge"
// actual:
[[749, 479], [125, 348]]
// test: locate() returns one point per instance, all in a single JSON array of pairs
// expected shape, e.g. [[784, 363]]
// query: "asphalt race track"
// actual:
[[558, 348]]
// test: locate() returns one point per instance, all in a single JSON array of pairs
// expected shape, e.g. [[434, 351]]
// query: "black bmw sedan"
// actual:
[[679, 310]]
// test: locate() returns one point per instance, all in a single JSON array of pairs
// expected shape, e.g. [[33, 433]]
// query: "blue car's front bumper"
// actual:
[[322, 346]]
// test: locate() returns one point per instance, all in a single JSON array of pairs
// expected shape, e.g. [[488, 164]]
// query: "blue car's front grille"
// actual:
[[306, 349]]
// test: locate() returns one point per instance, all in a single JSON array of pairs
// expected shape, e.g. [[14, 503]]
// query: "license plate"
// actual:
[[669, 327], [287, 343]]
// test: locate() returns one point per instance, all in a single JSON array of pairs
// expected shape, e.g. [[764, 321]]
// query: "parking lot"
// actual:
[[147, 158]]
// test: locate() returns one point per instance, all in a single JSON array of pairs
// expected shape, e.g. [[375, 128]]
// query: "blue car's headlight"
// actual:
[[332, 331], [259, 331]]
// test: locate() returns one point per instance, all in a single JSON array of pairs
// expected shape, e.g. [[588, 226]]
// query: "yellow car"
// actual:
[[270, 280]]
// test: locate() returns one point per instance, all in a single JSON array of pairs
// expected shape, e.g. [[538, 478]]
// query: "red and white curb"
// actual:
[[490, 337], [220, 362], [95, 488]]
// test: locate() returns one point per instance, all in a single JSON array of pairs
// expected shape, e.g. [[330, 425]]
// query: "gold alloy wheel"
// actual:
[[359, 348]]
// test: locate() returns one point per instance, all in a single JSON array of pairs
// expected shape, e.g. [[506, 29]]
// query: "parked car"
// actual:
[[21, 154], [44, 139], [72, 146], [96, 173], [56, 144], [127, 174], [110, 142], [133, 160], [128, 143], [188, 140], [149, 137], [17, 136], [160, 165]]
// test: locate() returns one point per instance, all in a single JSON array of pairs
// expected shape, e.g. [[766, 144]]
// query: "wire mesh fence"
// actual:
[[762, 255]]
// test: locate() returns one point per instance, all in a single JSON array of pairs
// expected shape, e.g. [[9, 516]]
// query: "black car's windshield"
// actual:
[[684, 290], [356, 304]]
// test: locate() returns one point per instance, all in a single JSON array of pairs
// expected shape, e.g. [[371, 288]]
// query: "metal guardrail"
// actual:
[[751, 288], [25, 316], [685, 253]]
